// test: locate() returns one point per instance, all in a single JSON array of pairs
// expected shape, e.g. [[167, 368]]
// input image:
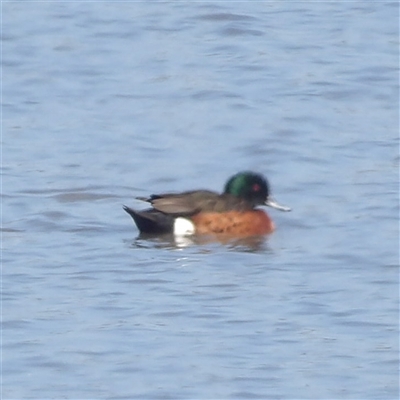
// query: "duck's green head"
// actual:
[[253, 188]]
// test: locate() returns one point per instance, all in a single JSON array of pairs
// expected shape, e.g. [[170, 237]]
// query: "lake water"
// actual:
[[105, 101]]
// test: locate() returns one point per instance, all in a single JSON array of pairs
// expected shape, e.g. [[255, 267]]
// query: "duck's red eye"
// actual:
[[256, 187]]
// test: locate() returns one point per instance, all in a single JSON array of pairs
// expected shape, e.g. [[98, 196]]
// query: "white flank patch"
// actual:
[[183, 227]]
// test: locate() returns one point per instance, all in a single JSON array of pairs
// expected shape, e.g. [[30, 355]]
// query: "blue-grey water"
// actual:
[[105, 101]]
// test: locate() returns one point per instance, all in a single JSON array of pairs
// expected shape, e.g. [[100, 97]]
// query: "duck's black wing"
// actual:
[[151, 220]]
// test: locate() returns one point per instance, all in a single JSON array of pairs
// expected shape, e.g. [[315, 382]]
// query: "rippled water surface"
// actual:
[[105, 101]]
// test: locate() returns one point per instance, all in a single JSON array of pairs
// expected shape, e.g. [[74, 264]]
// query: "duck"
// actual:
[[234, 212]]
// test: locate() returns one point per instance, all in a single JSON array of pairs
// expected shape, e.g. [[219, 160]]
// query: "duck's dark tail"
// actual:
[[151, 221]]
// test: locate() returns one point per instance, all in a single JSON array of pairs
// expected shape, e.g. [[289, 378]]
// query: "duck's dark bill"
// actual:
[[270, 202]]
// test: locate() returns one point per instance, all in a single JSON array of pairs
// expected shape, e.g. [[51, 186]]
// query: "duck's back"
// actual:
[[196, 201]]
